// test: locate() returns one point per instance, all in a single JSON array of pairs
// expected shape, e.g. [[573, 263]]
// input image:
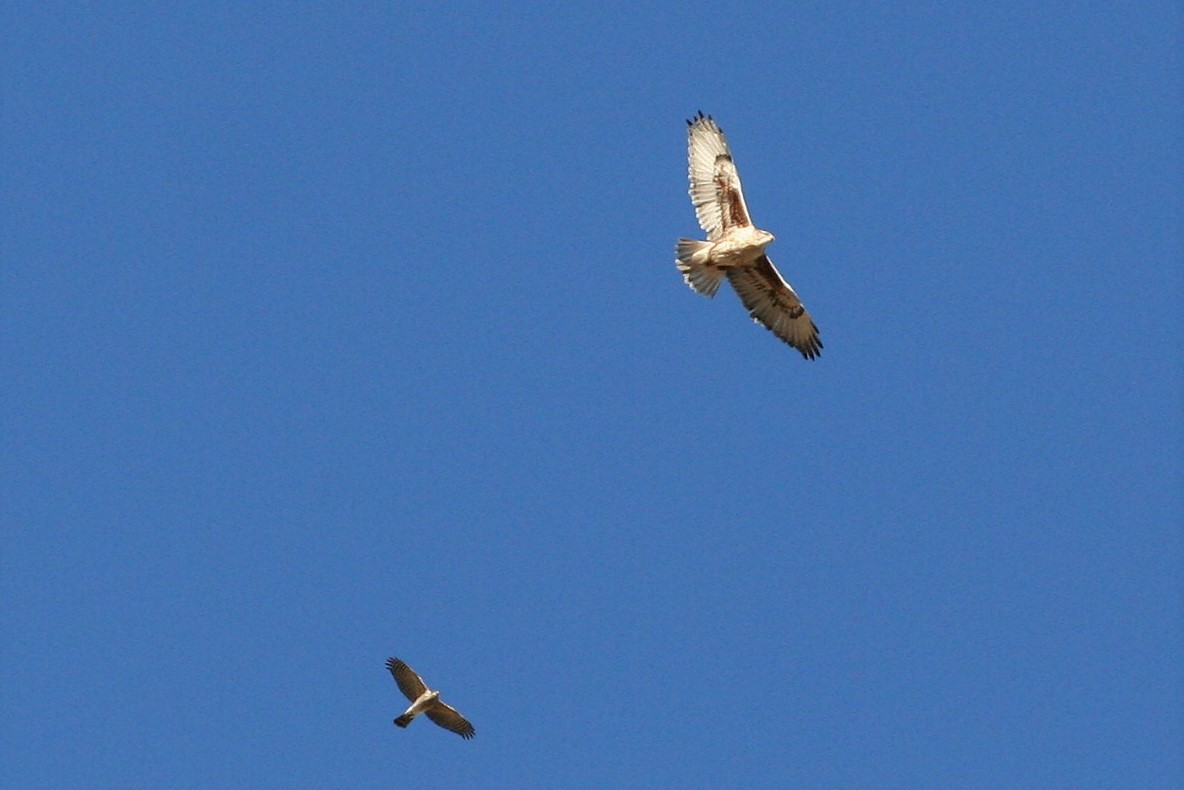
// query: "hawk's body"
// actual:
[[735, 248], [424, 700]]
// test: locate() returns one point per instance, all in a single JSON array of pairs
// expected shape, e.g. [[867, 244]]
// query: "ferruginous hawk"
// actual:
[[426, 701], [734, 246]]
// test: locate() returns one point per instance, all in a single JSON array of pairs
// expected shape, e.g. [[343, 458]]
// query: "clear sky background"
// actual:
[[337, 332]]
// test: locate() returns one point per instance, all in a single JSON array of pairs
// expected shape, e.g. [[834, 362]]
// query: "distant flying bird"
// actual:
[[735, 247], [425, 701]]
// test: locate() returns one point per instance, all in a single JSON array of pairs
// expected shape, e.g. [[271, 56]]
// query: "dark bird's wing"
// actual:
[[448, 718], [410, 683], [715, 184], [771, 302]]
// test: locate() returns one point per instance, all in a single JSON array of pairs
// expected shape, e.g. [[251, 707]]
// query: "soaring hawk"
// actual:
[[426, 701], [735, 247]]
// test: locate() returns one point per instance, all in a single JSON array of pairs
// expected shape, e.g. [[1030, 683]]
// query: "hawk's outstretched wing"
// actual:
[[771, 302], [715, 184], [448, 718], [410, 683]]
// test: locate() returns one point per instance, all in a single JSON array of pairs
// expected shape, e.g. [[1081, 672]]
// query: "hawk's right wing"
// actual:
[[448, 718], [771, 302]]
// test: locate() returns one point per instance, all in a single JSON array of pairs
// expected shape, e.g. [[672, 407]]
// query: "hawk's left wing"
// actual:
[[448, 718], [715, 184], [410, 684], [771, 302]]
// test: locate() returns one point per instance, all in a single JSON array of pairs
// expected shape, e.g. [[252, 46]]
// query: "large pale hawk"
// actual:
[[735, 247], [425, 701]]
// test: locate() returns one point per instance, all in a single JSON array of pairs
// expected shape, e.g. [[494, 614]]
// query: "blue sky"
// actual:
[[331, 333]]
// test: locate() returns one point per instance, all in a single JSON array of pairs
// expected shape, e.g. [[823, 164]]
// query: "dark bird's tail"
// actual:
[[403, 720]]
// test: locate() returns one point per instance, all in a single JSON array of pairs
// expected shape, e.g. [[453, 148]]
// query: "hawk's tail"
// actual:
[[403, 720], [696, 269]]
